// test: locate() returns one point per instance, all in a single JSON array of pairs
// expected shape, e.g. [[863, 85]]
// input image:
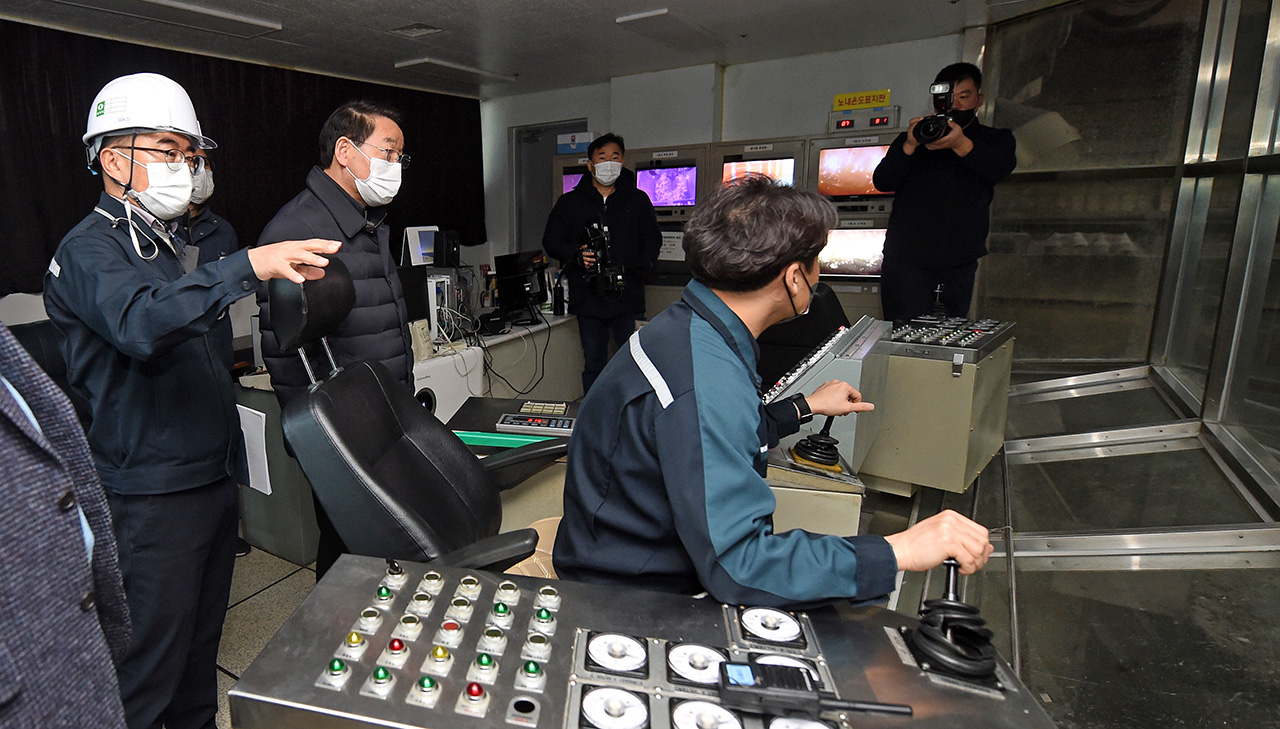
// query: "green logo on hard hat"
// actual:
[[102, 108]]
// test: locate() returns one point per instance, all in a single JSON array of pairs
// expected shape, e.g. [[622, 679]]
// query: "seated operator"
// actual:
[[665, 485]]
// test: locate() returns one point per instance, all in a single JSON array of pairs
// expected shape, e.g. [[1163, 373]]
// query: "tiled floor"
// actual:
[[264, 593]]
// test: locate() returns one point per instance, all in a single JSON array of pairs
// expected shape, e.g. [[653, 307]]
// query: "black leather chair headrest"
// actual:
[[303, 313]]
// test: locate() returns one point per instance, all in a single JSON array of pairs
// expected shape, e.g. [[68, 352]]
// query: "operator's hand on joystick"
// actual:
[[587, 256], [925, 545], [835, 397]]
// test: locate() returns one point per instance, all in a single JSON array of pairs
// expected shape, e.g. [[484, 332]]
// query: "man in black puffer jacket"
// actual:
[[608, 196], [359, 173]]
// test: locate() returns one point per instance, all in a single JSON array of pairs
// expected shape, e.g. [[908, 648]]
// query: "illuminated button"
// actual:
[[337, 667], [460, 609], [384, 594], [440, 654], [531, 677], [475, 691], [508, 592], [439, 661], [450, 633], [420, 603], [532, 668], [427, 685], [335, 675], [484, 660], [548, 597], [484, 669], [370, 619], [396, 646], [469, 586], [425, 693], [543, 622], [381, 674], [410, 627], [354, 639], [432, 583], [500, 615]]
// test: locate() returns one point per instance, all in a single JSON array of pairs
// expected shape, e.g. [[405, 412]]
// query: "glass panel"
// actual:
[[1246, 71], [1162, 489], [1087, 414], [1077, 264], [1205, 267], [1259, 412], [1057, 83], [985, 500], [1152, 649]]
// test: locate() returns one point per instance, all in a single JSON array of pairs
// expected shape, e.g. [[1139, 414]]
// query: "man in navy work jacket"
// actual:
[[941, 205], [665, 485], [144, 333], [60, 591], [608, 196], [361, 158]]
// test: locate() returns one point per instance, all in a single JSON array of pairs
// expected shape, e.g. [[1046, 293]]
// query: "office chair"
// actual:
[[42, 342], [783, 345], [393, 479]]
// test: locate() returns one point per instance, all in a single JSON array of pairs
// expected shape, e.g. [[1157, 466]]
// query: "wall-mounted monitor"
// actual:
[[566, 171], [672, 177], [842, 169], [780, 159], [570, 180], [852, 253]]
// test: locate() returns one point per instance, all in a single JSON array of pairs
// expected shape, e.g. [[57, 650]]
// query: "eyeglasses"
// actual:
[[175, 158], [391, 155]]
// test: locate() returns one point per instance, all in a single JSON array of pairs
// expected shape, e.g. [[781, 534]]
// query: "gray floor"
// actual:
[[1104, 643]]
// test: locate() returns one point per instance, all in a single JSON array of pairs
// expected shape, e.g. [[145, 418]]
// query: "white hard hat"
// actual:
[[142, 102]]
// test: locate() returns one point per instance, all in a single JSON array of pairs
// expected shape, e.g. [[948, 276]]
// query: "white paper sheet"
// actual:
[[254, 425]]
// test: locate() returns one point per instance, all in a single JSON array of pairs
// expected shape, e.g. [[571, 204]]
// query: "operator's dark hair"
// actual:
[[603, 139], [355, 121], [957, 72], [746, 232]]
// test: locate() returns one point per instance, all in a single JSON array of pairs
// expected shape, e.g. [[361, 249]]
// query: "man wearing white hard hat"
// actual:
[[143, 330]]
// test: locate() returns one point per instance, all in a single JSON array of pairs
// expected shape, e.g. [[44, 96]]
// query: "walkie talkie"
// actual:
[[758, 688]]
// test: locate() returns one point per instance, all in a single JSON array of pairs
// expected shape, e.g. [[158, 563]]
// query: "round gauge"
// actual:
[[703, 715], [771, 625], [617, 652], [611, 708], [696, 663], [790, 722], [789, 661]]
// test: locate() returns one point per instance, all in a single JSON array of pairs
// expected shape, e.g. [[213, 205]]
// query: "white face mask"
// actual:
[[383, 182], [202, 188], [168, 191], [606, 173]]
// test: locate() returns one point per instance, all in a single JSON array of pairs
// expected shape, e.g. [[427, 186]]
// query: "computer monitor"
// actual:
[[845, 173], [782, 169], [852, 252], [671, 177], [570, 180], [521, 284], [670, 187]]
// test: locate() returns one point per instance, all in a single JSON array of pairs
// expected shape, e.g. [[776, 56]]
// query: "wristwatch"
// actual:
[[802, 408]]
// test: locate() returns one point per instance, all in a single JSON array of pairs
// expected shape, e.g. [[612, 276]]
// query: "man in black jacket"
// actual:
[[361, 157], [607, 197], [942, 197]]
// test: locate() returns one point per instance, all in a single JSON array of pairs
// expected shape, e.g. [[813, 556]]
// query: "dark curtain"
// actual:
[[265, 120]]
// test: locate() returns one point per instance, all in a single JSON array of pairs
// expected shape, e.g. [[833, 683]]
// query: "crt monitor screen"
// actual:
[[670, 186], [853, 252], [846, 171], [571, 176], [783, 170]]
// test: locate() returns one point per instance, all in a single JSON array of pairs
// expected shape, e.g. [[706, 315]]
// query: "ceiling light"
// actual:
[[663, 26], [414, 31], [456, 67], [187, 15]]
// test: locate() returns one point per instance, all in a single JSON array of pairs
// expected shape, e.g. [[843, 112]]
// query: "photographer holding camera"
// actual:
[[942, 171], [605, 235]]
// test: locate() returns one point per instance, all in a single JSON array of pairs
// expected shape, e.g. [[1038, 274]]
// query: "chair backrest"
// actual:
[[783, 345], [42, 342], [392, 478]]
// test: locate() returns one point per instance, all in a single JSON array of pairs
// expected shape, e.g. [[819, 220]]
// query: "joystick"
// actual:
[[952, 637], [819, 449]]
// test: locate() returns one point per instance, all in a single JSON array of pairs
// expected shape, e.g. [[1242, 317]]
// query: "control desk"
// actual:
[[421, 646]]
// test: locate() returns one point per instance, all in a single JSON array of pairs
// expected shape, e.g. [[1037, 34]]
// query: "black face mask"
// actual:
[[964, 118], [813, 289]]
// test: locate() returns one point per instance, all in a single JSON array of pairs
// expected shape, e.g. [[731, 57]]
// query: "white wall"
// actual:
[[667, 108], [791, 97], [497, 117], [701, 104]]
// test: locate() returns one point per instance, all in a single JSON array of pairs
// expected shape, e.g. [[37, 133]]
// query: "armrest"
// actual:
[[495, 553], [511, 467]]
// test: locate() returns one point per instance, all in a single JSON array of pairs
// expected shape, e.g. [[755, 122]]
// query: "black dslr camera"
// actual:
[[606, 274], [932, 128]]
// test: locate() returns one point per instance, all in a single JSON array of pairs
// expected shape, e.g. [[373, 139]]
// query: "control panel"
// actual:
[[535, 424], [449, 648], [946, 338]]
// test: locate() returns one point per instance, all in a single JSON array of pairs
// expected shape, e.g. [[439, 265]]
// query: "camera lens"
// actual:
[[930, 129]]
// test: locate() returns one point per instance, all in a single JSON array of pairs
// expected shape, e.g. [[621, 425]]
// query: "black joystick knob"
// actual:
[[952, 637], [393, 567], [820, 447]]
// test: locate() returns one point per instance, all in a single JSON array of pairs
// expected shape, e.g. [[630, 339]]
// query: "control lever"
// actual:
[[819, 449], [952, 637]]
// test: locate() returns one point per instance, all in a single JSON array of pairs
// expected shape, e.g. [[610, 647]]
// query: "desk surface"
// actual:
[[520, 330], [482, 413]]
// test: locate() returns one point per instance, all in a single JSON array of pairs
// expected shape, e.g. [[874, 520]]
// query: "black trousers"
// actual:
[[908, 291], [595, 332], [177, 553]]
